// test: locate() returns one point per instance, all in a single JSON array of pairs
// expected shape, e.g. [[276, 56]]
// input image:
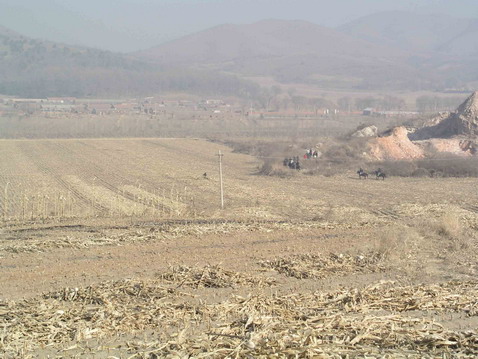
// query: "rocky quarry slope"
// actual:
[[455, 133]]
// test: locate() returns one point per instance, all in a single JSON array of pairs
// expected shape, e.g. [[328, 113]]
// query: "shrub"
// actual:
[[272, 168], [421, 172], [449, 226], [397, 242], [348, 152], [450, 166], [439, 166]]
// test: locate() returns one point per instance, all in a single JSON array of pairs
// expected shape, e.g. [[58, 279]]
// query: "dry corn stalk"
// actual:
[[212, 277], [375, 322], [320, 266]]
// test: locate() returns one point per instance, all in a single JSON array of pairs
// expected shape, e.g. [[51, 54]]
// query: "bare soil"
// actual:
[[423, 230]]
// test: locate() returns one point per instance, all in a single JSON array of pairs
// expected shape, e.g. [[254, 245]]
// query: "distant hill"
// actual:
[[464, 43], [441, 45], [295, 51], [37, 68], [264, 39], [387, 51], [7, 32], [411, 32]]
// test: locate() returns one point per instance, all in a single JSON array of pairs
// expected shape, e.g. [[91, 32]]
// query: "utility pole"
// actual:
[[220, 155], [5, 206]]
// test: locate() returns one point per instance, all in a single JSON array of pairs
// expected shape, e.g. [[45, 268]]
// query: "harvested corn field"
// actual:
[[119, 249], [212, 277], [57, 180], [379, 320], [318, 266]]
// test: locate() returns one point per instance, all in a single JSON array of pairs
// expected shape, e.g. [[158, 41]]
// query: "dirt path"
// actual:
[[29, 274]]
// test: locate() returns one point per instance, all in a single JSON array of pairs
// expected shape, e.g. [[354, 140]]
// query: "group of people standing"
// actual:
[[310, 153], [292, 162]]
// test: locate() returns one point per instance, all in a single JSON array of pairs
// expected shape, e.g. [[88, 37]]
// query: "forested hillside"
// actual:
[[35, 68]]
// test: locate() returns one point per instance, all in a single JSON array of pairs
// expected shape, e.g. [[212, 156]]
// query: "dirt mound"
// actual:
[[396, 146], [454, 133], [462, 122], [469, 108], [437, 119], [369, 131]]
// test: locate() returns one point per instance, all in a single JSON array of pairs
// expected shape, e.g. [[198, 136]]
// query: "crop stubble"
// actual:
[[144, 186]]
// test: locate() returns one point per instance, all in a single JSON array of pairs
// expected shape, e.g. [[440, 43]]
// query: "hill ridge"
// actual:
[[39, 68], [290, 51], [411, 30]]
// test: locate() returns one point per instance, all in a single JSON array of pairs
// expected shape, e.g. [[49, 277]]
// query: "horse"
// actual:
[[362, 174], [379, 174]]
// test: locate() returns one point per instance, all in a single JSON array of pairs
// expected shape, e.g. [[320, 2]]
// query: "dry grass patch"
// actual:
[[441, 165], [272, 168], [449, 226], [320, 266], [399, 242], [212, 277], [448, 232]]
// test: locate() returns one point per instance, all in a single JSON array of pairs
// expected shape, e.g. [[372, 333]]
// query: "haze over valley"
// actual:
[[238, 179], [388, 51]]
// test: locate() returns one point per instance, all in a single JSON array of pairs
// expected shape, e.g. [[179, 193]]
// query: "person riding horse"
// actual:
[[380, 174], [362, 174]]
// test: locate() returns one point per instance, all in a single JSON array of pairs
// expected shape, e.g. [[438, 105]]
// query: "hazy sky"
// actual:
[[129, 25]]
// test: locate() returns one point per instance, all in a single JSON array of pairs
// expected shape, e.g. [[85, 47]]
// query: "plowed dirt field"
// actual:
[[119, 249]]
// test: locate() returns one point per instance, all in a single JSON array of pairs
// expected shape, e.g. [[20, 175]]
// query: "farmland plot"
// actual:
[[43, 179], [89, 178], [119, 248]]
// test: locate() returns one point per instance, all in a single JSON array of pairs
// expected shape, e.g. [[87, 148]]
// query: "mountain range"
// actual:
[[290, 51], [38, 69], [385, 51], [420, 34]]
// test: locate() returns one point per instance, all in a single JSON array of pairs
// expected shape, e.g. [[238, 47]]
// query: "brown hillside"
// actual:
[[296, 51], [442, 46], [268, 38], [422, 33]]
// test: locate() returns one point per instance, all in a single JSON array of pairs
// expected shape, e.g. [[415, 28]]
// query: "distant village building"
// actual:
[[373, 112], [102, 108], [52, 107], [214, 102], [61, 100], [26, 100], [368, 111], [395, 113], [126, 107]]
